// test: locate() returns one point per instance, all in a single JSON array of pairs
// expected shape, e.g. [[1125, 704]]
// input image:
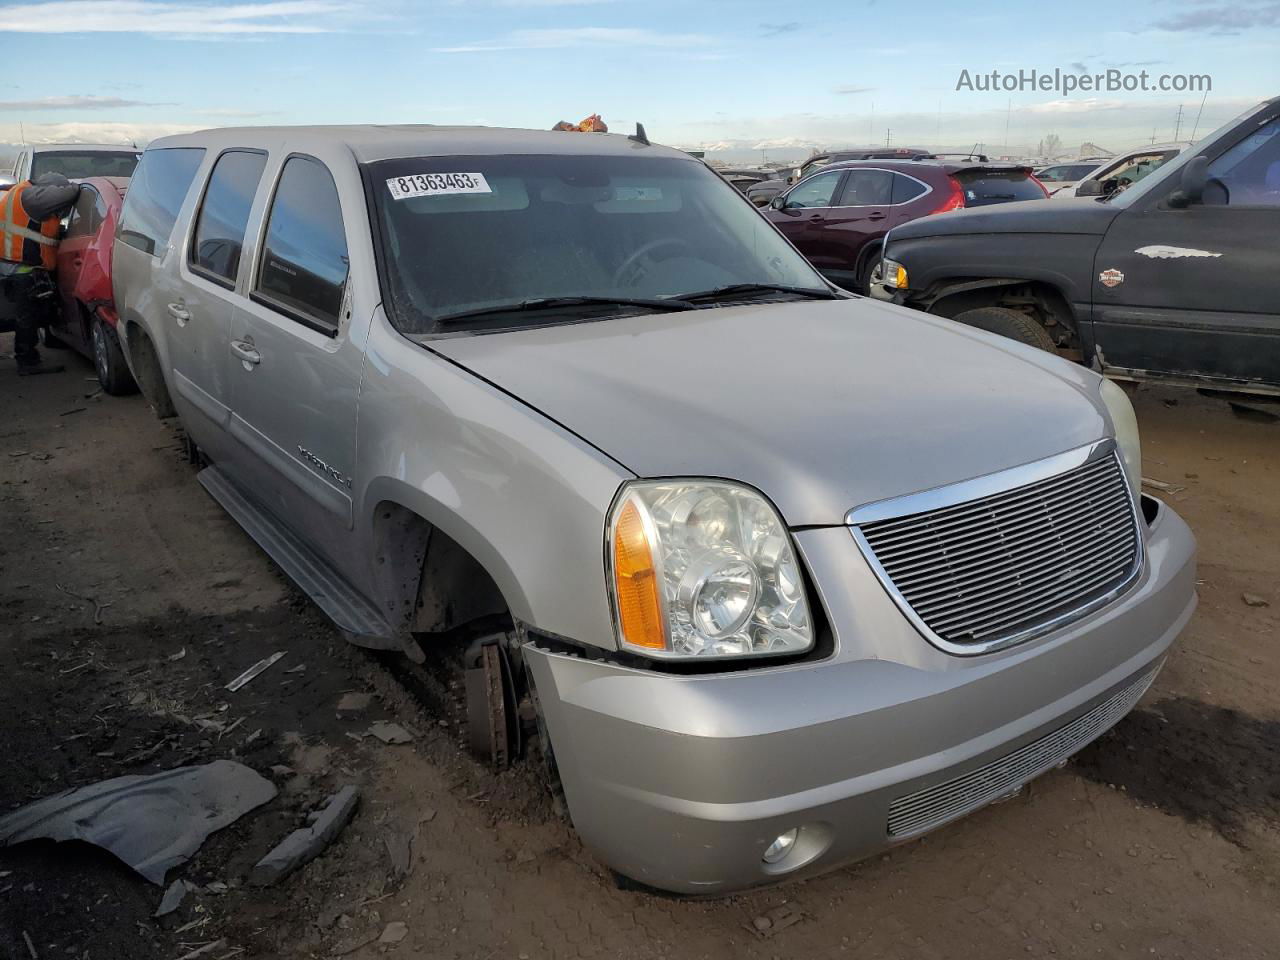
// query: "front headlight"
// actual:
[[894, 274], [703, 568], [1125, 424]]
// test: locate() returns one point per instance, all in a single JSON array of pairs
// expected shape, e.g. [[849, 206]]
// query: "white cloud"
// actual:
[[148, 16], [106, 132], [73, 102], [1086, 105], [560, 38]]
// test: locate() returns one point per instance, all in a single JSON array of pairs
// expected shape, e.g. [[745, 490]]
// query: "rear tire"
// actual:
[[108, 360], [1011, 324]]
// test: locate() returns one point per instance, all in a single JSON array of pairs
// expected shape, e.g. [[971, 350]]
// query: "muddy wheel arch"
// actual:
[[1042, 301]]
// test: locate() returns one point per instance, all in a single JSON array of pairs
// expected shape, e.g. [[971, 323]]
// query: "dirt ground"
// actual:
[[128, 600]]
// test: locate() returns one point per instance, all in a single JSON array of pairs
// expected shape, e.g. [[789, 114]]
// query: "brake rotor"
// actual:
[[491, 711]]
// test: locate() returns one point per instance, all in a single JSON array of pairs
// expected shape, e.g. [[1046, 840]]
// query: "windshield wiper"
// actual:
[[554, 303], [734, 289]]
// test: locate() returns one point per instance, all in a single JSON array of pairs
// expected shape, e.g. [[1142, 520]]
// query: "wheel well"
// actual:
[[86, 321], [1042, 301], [145, 363], [426, 582], [869, 251]]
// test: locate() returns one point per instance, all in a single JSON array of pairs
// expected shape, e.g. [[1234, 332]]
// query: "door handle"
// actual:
[[77, 262], [179, 312], [247, 353], [814, 218], [876, 216]]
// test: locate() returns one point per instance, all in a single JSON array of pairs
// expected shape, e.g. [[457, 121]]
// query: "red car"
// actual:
[[86, 321], [838, 218]]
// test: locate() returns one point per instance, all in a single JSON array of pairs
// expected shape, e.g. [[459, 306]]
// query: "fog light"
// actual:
[[781, 846]]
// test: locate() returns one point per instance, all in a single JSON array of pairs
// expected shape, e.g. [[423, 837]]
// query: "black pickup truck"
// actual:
[[1175, 278]]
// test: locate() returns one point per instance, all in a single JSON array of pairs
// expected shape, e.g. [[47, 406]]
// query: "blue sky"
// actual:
[[733, 73]]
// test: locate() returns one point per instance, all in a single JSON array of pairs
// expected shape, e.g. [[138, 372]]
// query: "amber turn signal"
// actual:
[[636, 582]]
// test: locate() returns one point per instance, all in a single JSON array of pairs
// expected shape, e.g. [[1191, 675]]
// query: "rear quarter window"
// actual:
[[155, 196], [982, 188]]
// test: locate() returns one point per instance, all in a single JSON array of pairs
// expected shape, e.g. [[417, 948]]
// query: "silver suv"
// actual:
[[785, 575]]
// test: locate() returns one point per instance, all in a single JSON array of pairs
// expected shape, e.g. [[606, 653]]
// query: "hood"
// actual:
[[1085, 215], [822, 406]]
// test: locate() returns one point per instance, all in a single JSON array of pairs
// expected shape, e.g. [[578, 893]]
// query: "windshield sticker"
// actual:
[[637, 193], [436, 185], [1161, 252]]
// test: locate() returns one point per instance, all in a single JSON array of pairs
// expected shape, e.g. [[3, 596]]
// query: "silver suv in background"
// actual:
[[785, 575]]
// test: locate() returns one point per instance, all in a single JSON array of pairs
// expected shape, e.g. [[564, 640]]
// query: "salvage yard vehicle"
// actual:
[[86, 321], [839, 217], [74, 161], [1172, 279], [1061, 178], [781, 576], [1123, 171]]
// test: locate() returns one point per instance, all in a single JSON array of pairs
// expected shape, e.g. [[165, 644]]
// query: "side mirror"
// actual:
[[1195, 177], [777, 202], [1090, 188]]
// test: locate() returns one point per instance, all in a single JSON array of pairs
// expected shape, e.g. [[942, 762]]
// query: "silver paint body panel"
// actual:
[[516, 443]]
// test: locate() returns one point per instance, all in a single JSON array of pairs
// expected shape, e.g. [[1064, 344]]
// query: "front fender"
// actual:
[[1063, 261], [525, 497]]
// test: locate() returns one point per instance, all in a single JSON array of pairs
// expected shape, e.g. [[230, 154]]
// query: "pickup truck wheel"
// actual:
[[1011, 324], [109, 362]]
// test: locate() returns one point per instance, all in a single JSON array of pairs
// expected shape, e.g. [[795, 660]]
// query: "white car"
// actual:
[[1063, 177], [75, 161], [1125, 170]]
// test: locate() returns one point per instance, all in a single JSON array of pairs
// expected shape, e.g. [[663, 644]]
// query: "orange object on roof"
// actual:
[[592, 124]]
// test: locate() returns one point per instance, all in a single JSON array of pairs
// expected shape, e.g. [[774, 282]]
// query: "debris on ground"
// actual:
[[391, 733], [400, 851], [173, 897], [305, 844], [205, 950], [354, 702], [1253, 600], [253, 671], [395, 931], [772, 922], [1162, 485], [152, 822]]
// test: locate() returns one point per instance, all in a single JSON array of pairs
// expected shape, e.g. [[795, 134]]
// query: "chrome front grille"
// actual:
[[988, 572], [934, 806]]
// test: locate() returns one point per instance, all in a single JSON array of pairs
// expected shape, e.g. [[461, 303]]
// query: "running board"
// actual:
[[324, 585]]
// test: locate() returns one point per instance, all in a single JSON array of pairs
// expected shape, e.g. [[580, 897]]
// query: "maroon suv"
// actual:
[[838, 218]]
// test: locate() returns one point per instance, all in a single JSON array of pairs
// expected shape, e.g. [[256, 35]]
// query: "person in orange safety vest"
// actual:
[[30, 228]]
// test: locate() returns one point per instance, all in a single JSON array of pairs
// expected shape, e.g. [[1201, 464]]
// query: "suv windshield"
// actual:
[[474, 235], [78, 164]]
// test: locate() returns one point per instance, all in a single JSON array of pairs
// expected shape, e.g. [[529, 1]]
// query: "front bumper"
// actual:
[[681, 782]]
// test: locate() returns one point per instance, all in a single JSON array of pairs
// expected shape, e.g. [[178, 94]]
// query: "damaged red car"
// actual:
[[86, 320]]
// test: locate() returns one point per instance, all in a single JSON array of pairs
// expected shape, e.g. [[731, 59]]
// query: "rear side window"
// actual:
[[906, 189], [224, 214], [155, 196], [985, 187], [304, 260]]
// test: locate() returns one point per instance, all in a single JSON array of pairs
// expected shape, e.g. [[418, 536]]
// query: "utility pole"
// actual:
[[871, 129], [1177, 127], [1008, 113], [888, 135]]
